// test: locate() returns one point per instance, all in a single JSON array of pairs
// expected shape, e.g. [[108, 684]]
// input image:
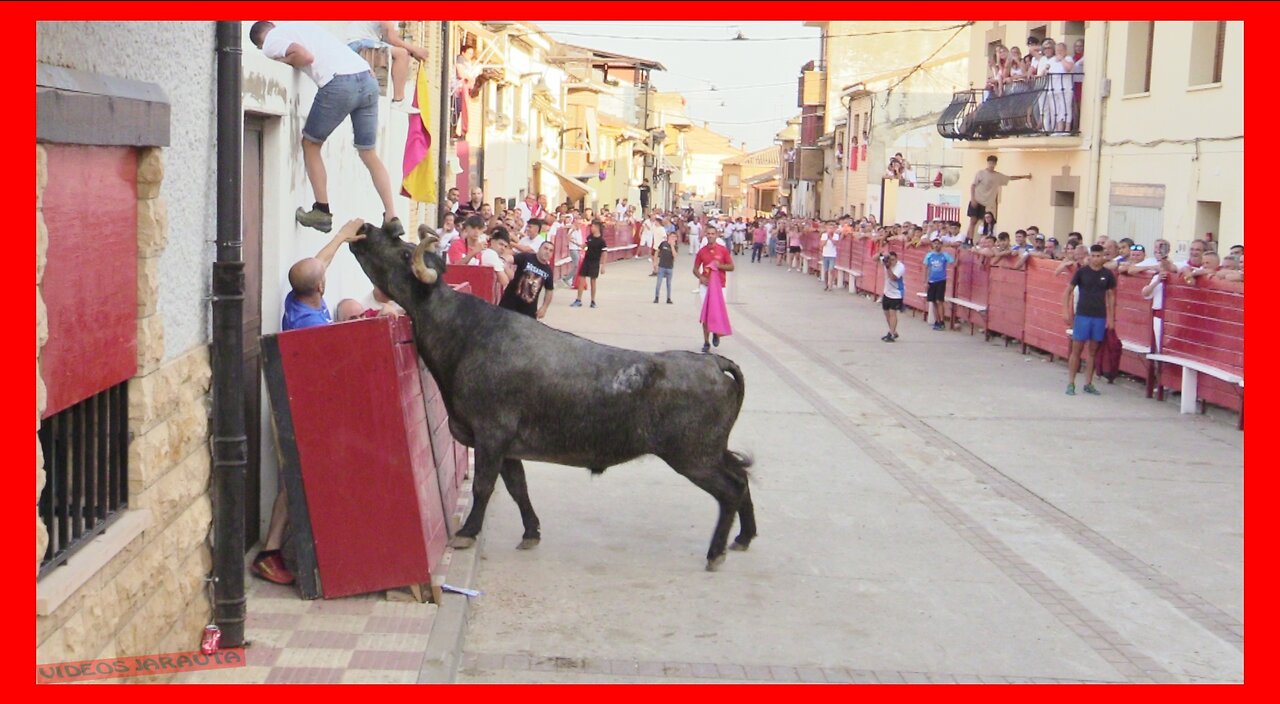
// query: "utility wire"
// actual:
[[741, 38]]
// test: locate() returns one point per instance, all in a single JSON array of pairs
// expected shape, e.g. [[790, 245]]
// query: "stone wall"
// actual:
[[152, 596]]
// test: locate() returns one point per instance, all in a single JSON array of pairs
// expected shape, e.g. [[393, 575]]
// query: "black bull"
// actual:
[[517, 390]]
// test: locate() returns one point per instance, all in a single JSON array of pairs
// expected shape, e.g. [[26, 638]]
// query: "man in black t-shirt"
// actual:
[[534, 274], [1095, 314], [666, 261]]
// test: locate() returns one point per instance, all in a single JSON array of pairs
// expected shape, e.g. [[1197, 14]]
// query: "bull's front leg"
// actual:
[[488, 467], [513, 478]]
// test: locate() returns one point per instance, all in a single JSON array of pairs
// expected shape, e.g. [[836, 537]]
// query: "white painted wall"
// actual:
[[179, 57]]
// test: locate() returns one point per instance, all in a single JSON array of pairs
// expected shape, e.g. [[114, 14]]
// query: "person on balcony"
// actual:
[[1056, 101]]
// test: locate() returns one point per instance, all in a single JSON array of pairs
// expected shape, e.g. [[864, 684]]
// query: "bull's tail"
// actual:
[[737, 464], [727, 366]]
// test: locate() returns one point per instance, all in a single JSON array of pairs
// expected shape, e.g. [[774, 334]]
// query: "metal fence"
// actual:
[[1044, 105], [85, 462]]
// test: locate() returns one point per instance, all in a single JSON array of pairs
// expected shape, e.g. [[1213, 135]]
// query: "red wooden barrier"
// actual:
[[812, 249], [482, 279], [1133, 325], [1043, 326], [1205, 322], [1007, 301], [365, 500], [872, 279], [971, 284]]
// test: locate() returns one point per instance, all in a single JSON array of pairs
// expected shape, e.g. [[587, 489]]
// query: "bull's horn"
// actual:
[[425, 274]]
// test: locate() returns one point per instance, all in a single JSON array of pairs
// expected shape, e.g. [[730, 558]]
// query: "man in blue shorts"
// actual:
[[1095, 313], [935, 266], [347, 87]]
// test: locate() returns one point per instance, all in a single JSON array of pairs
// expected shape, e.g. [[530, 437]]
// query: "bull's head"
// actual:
[[404, 272]]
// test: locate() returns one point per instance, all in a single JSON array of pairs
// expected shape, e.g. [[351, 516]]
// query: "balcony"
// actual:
[[1042, 107]]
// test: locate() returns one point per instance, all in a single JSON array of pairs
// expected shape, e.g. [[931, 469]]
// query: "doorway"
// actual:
[[251, 359]]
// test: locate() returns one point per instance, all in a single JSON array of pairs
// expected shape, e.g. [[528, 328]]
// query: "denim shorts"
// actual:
[[354, 94], [367, 43], [828, 263]]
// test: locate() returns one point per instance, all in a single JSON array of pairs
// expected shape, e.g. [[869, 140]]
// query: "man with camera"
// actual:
[[894, 290]]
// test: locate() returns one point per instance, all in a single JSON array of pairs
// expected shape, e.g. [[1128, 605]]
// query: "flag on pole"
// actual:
[[419, 183]]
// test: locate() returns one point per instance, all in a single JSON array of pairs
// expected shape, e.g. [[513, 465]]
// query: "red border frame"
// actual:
[[1256, 184]]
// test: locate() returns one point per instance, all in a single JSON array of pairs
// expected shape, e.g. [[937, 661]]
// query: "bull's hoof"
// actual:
[[528, 543], [714, 563], [740, 547], [462, 542]]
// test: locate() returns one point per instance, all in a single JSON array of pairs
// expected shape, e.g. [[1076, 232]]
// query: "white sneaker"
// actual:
[[404, 106]]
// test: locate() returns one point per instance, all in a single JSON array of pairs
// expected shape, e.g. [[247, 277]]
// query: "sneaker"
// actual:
[[393, 227], [576, 304], [317, 219], [1088, 389], [1071, 389], [653, 274], [404, 106], [668, 300], [895, 335], [655, 299], [939, 326], [593, 304], [706, 347], [888, 337], [270, 566], [715, 339]]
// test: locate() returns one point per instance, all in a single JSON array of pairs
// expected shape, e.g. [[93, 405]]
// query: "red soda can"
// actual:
[[212, 636]]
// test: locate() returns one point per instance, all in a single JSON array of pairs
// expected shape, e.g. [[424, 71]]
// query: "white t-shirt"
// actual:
[[896, 289], [332, 57], [829, 244], [1157, 294], [357, 31], [447, 237], [492, 259]]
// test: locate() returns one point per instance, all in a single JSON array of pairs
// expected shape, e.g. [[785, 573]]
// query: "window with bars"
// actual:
[[86, 450]]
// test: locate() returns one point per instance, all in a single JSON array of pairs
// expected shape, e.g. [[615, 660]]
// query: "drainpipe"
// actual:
[[230, 447], [446, 74], [1095, 133]]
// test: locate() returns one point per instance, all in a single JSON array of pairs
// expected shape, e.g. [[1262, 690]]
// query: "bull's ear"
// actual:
[[421, 271]]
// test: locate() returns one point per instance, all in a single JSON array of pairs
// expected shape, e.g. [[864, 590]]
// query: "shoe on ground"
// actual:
[[576, 304], [393, 227], [706, 347], [1088, 389], [316, 219], [655, 299], [668, 300], [405, 107], [1071, 389], [654, 274], [715, 339], [939, 326], [593, 304], [270, 566], [888, 337], [895, 335]]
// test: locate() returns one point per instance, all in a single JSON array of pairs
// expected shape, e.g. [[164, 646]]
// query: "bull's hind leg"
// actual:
[[727, 490], [746, 522], [488, 466], [513, 478]]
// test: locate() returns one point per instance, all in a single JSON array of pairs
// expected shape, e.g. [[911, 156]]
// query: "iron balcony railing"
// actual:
[[1045, 105]]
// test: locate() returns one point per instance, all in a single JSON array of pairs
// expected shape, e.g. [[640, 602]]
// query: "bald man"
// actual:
[[304, 307], [349, 309]]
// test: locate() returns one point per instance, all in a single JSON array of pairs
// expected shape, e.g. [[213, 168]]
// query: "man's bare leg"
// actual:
[[381, 181], [399, 71], [316, 174]]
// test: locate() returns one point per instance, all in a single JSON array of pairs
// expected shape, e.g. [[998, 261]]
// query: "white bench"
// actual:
[[976, 307], [849, 277], [1191, 371]]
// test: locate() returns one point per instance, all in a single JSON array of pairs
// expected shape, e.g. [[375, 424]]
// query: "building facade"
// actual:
[[1155, 149]]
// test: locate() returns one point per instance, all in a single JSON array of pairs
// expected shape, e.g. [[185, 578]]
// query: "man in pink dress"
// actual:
[[709, 265]]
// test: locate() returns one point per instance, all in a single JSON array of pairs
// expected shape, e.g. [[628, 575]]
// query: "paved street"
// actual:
[[930, 510]]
